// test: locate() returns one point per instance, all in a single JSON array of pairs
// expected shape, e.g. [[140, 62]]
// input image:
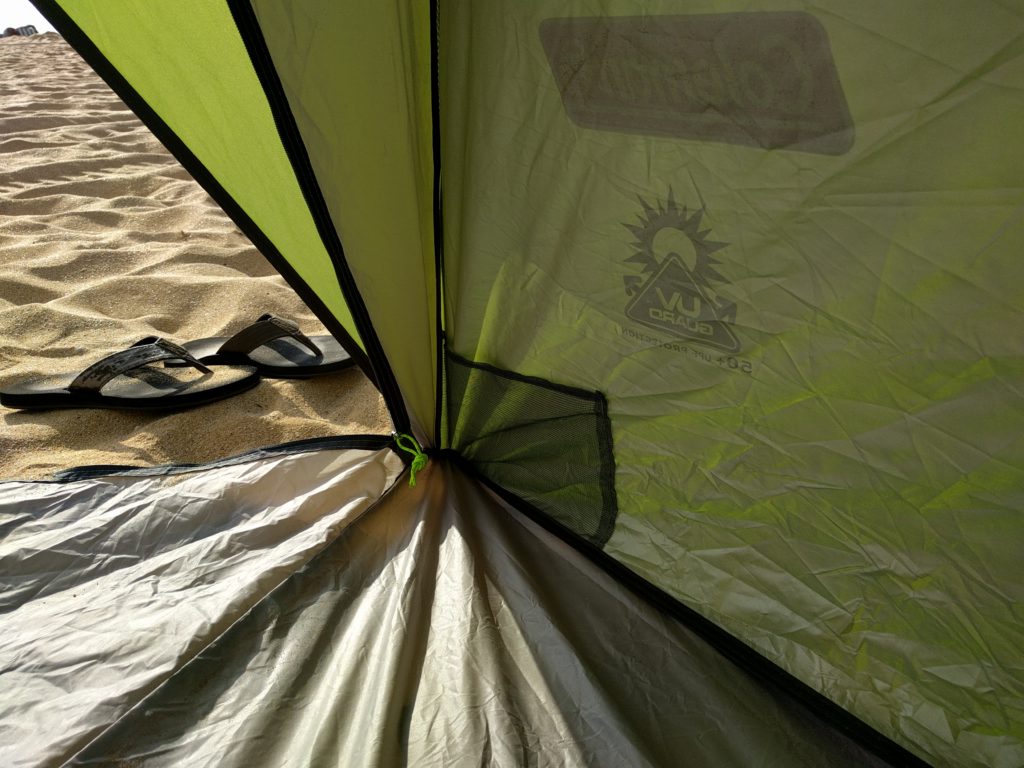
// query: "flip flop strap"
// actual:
[[266, 328], [148, 350]]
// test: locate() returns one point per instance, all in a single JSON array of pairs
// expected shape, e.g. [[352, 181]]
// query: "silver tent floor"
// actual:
[[314, 609]]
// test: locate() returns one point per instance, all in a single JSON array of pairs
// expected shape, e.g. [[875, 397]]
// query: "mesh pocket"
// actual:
[[551, 445]]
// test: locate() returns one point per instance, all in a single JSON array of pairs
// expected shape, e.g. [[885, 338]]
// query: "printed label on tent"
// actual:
[[759, 79], [675, 292]]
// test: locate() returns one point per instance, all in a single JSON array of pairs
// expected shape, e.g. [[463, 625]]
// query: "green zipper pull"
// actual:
[[419, 458]]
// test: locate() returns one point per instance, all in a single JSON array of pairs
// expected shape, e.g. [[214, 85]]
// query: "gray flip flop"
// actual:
[[126, 379], [277, 348]]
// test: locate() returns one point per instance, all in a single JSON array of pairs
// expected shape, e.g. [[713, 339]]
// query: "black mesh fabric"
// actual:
[[550, 445]]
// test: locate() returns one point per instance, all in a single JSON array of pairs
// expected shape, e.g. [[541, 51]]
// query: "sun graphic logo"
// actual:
[[675, 291]]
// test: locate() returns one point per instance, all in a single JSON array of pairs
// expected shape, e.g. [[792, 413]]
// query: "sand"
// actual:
[[105, 239]]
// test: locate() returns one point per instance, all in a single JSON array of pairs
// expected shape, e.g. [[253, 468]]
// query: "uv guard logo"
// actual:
[[759, 79], [676, 289]]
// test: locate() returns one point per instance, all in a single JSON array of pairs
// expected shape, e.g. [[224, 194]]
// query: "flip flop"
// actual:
[[277, 348], [126, 379]]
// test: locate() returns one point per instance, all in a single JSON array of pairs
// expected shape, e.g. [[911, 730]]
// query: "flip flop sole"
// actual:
[[133, 394]]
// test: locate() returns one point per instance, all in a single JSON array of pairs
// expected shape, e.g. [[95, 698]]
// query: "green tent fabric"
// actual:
[[224, 121], [708, 317], [833, 472]]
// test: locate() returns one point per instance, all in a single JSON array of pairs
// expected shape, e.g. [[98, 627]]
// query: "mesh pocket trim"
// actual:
[[551, 444]]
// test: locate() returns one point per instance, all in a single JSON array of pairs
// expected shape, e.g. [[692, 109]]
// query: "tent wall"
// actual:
[[187, 63], [783, 240], [357, 79], [338, 181]]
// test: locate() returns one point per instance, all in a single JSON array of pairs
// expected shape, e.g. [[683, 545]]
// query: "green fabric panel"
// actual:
[[357, 76], [834, 472], [188, 62]]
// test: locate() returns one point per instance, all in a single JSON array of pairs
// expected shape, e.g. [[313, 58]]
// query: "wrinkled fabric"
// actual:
[[108, 587], [438, 627], [785, 243]]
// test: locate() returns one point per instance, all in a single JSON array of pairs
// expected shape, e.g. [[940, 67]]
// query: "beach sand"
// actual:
[[105, 239]]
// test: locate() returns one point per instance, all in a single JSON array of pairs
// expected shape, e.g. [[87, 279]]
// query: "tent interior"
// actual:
[[698, 326]]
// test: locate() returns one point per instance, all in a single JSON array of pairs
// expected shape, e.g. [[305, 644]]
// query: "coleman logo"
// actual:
[[675, 291], [759, 79]]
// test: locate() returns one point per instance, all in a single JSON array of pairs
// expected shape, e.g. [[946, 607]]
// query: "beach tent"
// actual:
[[700, 327]]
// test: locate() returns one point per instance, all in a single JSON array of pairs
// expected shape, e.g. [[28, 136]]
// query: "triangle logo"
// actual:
[[673, 300]]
